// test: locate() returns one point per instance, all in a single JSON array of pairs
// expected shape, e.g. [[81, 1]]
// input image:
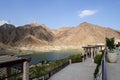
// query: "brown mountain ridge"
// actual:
[[34, 36], [85, 34]]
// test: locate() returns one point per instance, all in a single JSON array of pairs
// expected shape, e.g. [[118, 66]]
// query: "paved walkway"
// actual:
[[113, 69], [76, 71]]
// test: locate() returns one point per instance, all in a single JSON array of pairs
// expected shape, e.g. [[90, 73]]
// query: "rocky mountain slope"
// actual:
[[85, 34], [35, 36], [27, 35]]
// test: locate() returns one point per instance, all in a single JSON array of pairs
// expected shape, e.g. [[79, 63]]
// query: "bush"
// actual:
[[97, 60], [96, 71], [45, 67], [76, 58], [110, 43]]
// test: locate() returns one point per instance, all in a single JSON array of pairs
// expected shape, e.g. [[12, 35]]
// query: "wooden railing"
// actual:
[[47, 76], [51, 73]]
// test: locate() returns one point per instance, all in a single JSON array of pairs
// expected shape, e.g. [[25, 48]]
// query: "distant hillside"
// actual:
[[85, 34], [32, 36]]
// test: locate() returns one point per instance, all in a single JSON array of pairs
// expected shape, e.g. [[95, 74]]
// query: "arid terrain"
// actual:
[[39, 37]]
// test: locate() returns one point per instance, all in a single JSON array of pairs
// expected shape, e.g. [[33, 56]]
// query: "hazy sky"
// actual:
[[61, 13]]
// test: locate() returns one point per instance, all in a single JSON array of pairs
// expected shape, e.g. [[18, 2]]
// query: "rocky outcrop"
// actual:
[[6, 31]]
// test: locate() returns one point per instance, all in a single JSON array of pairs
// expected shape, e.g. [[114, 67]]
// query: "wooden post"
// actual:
[[98, 50], [91, 53], [101, 48], [95, 51], [25, 70], [70, 61], [83, 58], [92, 57], [87, 52]]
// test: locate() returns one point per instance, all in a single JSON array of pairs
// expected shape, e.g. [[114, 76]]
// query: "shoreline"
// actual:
[[50, 48], [33, 50]]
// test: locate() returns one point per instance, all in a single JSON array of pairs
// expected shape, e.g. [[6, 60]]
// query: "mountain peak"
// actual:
[[7, 26], [34, 24], [85, 23]]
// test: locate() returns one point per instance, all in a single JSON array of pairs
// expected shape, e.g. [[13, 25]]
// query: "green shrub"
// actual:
[[110, 43], [97, 60], [96, 71], [45, 67], [76, 57]]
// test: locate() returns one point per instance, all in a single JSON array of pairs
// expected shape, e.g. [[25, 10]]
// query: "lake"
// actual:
[[38, 57]]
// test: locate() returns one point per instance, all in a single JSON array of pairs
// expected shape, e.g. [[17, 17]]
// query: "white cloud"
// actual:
[[3, 22], [85, 13]]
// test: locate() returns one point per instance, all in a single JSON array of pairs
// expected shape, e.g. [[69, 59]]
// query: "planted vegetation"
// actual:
[[76, 58], [97, 60], [47, 66]]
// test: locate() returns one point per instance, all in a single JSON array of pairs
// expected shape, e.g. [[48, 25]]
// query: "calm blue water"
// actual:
[[38, 57]]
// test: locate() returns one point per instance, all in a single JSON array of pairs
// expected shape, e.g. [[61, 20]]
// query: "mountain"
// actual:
[[38, 31], [39, 37], [5, 33], [30, 34], [85, 34]]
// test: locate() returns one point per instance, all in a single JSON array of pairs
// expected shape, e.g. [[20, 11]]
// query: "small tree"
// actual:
[[110, 43]]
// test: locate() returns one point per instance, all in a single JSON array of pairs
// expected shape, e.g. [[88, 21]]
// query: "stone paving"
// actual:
[[76, 71], [113, 69]]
